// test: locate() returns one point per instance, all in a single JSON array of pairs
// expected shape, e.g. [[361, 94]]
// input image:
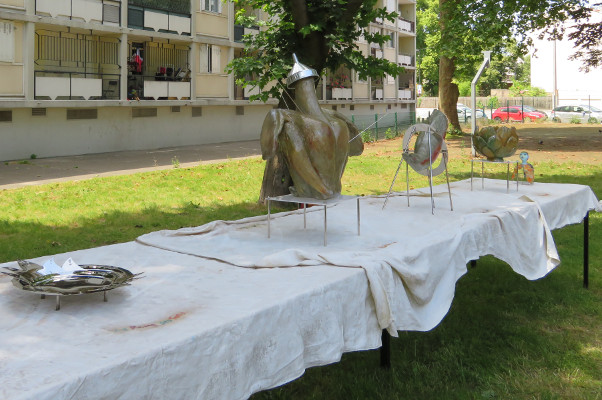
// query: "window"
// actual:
[[211, 5], [210, 58], [7, 41]]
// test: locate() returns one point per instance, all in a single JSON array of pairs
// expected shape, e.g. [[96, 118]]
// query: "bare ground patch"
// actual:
[[543, 141]]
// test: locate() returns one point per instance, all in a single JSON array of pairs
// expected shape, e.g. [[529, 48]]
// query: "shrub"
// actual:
[[592, 120], [575, 120]]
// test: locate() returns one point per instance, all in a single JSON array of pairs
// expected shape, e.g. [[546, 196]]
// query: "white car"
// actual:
[[581, 113], [465, 113]]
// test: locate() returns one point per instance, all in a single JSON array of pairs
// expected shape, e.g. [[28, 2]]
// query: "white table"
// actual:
[[196, 327]]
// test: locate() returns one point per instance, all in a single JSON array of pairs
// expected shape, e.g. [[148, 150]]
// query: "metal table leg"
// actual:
[[385, 350], [586, 251]]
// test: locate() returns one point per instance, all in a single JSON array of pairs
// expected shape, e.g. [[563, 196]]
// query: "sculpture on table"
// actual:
[[430, 142], [314, 142], [496, 142], [528, 170]]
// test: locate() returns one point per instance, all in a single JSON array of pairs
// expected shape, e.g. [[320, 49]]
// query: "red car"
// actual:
[[516, 113]]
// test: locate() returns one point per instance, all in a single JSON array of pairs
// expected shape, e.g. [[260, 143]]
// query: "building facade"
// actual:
[[92, 76]]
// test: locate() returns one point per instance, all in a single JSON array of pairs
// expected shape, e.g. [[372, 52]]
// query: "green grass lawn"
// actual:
[[504, 337]]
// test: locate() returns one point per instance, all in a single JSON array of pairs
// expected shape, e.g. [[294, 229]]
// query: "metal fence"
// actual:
[[375, 127]]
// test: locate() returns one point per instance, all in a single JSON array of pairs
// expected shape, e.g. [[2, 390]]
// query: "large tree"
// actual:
[[324, 36], [467, 27]]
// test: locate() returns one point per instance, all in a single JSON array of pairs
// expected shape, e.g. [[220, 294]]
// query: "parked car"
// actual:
[[582, 113], [465, 113], [517, 113]]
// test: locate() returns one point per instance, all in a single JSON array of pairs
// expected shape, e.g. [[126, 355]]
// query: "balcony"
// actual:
[[240, 30], [406, 25], [76, 66], [55, 85], [105, 12], [158, 71], [158, 20], [405, 94], [405, 60]]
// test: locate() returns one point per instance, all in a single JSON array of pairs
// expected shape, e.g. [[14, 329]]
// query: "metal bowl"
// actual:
[[90, 279]]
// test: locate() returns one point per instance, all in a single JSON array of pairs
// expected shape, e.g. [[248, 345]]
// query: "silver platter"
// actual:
[[90, 279]]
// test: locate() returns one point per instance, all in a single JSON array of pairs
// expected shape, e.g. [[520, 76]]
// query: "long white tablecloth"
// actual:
[[199, 326]]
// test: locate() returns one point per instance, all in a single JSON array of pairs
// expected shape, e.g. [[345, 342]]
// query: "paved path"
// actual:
[[15, 174]]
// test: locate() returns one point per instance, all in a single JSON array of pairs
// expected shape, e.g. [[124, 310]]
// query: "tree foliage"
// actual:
[[587, 37], [323, 34], [468, 27]]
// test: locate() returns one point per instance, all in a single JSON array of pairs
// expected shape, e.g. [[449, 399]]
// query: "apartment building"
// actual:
[[92, 76]]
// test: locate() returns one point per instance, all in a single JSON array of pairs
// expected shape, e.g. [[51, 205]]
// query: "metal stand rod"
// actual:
[[43, 296], [104, 293], [408, 183], [428, 135], [304, 216], [325, 225], [58, 303], [444, 155], [392, 183], [517, 176], [385, 350], [482, 175], [358, 216], [268, 217], [471, 173], [508, 178], [586, 251]]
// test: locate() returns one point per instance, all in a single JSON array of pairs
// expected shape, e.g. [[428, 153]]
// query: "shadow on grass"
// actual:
[[25, 240]]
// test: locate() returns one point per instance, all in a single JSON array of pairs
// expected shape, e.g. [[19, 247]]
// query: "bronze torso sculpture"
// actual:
[[315, 142]]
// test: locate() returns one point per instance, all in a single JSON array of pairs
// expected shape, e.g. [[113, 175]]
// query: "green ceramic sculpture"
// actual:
[[496, 142], [315, 142]]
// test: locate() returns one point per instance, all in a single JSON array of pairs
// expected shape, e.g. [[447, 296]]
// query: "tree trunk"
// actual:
[[448, 91]]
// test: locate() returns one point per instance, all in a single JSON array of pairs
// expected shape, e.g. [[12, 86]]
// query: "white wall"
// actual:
[[116, 130], [574, 86]]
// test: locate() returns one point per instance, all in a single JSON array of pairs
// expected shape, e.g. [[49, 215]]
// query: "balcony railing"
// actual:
[[158, 20], [55, 85], [100, 11], [406, 25], [405, 60], [405, 94], [147, 87]]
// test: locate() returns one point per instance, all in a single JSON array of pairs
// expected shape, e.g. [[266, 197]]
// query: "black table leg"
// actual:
[[586, 251], [385, 350]]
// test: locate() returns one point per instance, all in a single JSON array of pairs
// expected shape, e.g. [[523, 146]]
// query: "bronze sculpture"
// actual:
[[315, 142]]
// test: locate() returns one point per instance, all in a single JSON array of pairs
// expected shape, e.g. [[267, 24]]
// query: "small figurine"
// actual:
[[528, 170]]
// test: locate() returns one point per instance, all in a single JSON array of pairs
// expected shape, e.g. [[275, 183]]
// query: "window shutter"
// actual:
[[216, 52], [110, 13], [204, 58], [219, 6], [7, 41], [204, 5]]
